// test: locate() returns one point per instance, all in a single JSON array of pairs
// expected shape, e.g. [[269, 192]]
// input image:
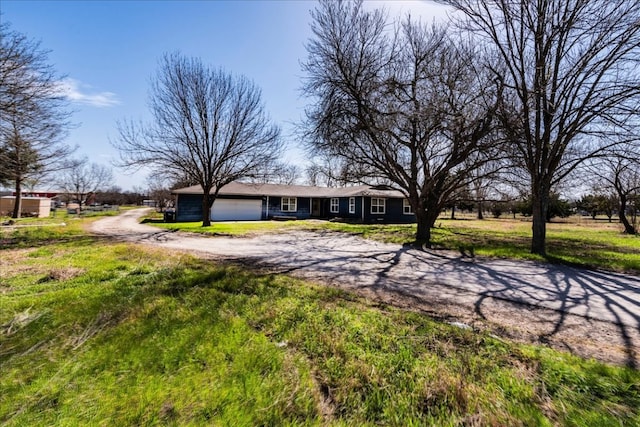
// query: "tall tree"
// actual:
[[33, 115], [82, 179], [208, 126], [570, 76], [406, 105]]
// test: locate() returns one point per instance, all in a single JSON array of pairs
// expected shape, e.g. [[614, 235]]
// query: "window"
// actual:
[[406, 207], [335, 205], [352, 205], [289, 204], [377, 205]]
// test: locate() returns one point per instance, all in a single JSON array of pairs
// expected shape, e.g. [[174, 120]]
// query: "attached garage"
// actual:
[[236, 210]]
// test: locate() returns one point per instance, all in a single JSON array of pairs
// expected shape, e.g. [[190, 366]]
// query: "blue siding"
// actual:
[[393, 214], [343, 209], [189, 207], [303, 208]]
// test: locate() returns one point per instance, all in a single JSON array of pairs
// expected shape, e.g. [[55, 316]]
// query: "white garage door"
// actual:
[[236, 210]]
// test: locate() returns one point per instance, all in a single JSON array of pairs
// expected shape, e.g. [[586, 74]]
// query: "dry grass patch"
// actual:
[[15, 256], [21, 262], [17, 262], [61, 274]]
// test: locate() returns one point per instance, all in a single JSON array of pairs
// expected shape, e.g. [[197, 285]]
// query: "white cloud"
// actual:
[[81, 93]]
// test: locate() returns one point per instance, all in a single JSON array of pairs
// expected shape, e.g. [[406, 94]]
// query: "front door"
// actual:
[[316, 205]]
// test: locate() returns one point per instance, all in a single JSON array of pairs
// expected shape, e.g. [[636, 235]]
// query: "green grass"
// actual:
[[578, 242], [56, 217], [97, 333], [238, 229], [58, 227]]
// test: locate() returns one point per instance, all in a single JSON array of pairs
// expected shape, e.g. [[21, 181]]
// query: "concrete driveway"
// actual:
[[580, 310]]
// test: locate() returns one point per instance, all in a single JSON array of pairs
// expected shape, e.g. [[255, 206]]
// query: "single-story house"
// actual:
[[29, 206], [241, 201]]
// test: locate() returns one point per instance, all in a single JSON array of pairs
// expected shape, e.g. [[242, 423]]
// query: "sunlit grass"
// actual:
[[114, 334], [60, 226], [231, 228]]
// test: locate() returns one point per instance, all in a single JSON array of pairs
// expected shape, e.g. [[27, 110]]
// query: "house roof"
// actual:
[[256, 189], [25, 198]]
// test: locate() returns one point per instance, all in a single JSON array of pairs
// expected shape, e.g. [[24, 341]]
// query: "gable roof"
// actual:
[[279, 190]]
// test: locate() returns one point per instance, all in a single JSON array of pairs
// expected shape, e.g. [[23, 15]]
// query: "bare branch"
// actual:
[[209, 127], [398, 103]]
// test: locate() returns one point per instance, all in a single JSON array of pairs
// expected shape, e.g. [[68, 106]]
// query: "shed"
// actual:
[[31, 206]]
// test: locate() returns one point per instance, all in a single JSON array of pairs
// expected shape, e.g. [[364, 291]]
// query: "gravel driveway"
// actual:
[[591, 313]]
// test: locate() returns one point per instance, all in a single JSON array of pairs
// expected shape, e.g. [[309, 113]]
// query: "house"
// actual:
[[241, 201]]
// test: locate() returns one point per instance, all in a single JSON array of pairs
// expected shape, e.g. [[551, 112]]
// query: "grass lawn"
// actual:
[[579, 241], [238, 229], [98, 333]]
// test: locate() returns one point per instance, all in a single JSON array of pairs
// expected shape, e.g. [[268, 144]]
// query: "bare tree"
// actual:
[[619, 173], [570, 76], [81, 179], [327, 170], [277, 173], [209, 127], [486, 179], [406, 106], [160, 193], [33, 118]]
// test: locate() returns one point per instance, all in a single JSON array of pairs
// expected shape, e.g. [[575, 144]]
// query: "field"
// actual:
[[97, 332]]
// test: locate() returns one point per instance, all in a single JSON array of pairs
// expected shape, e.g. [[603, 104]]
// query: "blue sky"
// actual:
[[109, 51]]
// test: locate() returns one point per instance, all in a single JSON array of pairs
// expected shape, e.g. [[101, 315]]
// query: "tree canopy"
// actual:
[[33, 114], [405, 105], [209, 127], [570, 74]]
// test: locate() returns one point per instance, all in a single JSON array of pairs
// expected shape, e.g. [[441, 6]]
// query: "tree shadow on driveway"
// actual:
[[560, 305]]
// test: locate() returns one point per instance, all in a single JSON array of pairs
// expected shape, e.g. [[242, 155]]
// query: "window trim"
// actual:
[[378, 206], [352, 205], [334, 205], [289, 204], [405, 205]]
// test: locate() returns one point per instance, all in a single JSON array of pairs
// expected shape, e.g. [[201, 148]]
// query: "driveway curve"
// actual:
[[589, 312]]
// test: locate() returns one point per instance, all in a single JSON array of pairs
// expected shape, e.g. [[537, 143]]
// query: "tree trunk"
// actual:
[[453, 212], [628, 227], [207, 202], [17, 207], [425, 220], [480, 209], [423, 233], [540, 201]]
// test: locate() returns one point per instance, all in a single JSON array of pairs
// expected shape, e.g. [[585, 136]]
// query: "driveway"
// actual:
[[592, 313]]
